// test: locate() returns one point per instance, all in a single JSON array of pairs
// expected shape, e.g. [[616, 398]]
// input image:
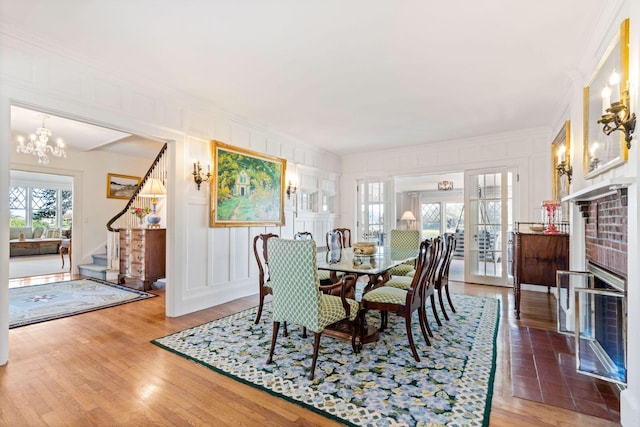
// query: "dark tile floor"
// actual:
[[543, 369]]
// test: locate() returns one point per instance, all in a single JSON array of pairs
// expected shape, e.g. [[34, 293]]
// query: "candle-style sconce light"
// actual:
[[198, 176], [617, 115], [291, 189], [563, 167]]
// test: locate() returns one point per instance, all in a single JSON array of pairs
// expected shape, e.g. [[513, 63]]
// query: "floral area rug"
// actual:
[[39, 303], [383, 385]]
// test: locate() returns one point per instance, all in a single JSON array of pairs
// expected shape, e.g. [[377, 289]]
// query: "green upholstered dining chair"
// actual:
[[404, 302], [262, 259], [404, 239], [298, 297]]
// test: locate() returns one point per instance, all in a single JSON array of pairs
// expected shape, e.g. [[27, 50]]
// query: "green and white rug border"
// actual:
[[331, 413]]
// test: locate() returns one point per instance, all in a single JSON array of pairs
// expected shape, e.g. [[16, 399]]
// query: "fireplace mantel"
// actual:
[[600, 189]]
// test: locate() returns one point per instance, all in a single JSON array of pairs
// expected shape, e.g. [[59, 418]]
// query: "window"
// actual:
[[430, 213], [376, 202], [433, 223], [17, 206], [39, 207]]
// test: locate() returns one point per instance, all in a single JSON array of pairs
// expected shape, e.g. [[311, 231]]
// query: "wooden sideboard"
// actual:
[[142, 255], [536, 258]]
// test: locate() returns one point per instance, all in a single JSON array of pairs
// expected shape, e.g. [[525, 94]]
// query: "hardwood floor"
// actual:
[[100, 368]]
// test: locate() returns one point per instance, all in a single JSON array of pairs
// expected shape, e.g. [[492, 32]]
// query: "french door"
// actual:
[[376, 209], [488, 219]]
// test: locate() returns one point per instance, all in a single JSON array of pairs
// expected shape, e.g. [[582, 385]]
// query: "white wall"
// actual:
[[205, 266]]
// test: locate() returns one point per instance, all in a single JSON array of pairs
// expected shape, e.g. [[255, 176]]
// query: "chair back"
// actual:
[[436, 260], [346, 236], [294, 282], [405, 239], [303, 235], [334, 240], [262, 257], [423, 265], [447, 256]]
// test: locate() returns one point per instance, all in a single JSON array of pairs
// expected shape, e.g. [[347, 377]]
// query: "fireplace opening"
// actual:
[[601, 318]]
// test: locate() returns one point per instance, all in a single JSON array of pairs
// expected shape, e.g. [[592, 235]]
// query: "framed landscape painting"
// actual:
[[121, 186], [248, 188]]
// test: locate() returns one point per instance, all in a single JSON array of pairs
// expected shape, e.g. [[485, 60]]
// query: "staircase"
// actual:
[[98, 269]]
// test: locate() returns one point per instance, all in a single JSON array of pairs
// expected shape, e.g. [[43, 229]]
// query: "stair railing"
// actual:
[[125, 219]]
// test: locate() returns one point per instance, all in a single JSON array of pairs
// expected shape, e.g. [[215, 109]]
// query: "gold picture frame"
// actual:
[[604, 152], [247, 188], [560, 153], [121, 186]]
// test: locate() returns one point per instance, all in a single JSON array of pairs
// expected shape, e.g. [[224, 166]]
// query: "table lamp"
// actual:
[[408, 217], [153, 188]]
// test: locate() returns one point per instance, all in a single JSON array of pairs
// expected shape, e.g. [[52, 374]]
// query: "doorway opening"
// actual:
[[40, 219], [436, 202]]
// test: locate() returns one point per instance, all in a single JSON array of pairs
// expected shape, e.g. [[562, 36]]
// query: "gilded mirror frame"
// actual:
[[603, 152], [561, 152]]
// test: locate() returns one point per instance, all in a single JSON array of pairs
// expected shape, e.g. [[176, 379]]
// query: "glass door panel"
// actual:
[[488, 196]]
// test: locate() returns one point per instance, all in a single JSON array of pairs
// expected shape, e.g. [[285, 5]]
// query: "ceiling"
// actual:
[[343, 75], [81, 136]]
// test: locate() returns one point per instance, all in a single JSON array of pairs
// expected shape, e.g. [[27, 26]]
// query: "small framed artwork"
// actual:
[[248, 188], [121, 186], [609, 83]]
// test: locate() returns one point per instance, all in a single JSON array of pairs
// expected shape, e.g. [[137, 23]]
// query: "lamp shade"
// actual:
[[408, 216], [68, 214], [153, 188]]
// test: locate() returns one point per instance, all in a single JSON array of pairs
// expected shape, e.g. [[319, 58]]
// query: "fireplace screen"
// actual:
[[601, 332]]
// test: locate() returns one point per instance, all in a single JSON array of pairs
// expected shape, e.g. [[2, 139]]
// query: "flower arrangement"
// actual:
[[140, 212]]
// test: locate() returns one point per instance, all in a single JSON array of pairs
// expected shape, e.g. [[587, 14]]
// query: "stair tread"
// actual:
[[95, 267]]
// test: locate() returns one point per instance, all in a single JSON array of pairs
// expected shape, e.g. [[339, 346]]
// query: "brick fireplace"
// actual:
[[606, 231]]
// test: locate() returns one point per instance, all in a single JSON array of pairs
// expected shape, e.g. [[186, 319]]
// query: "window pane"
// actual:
[[430, 220], [454, 220], [44, 204]]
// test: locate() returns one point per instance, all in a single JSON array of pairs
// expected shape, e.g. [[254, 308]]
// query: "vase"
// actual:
[[140, 221]]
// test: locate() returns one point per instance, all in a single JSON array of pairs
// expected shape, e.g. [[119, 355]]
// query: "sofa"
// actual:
[[37, 241]]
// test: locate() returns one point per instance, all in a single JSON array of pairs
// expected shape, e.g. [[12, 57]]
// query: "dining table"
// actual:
[[375, 267]]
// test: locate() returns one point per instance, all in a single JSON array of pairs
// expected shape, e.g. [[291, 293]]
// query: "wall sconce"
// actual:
[[617, 115], [445, 185], [563, 167], [198, 177], [291, 189]]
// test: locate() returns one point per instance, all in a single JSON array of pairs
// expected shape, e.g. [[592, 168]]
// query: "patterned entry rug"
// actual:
[[39, 303], [383, 385]]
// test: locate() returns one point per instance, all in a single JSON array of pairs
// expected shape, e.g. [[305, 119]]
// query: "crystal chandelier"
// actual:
[[38, 146]]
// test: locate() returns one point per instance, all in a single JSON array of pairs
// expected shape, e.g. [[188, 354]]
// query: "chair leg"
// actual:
[[304, 332], [426, 319], [446, 288], [285, 332], [316, 346], [407, 322], [422, 316], [444, 312], [274, 337], [259, 309], [433, 308]]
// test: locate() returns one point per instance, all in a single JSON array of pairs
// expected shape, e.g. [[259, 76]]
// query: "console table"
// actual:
[[536, 258], [142, 255]]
